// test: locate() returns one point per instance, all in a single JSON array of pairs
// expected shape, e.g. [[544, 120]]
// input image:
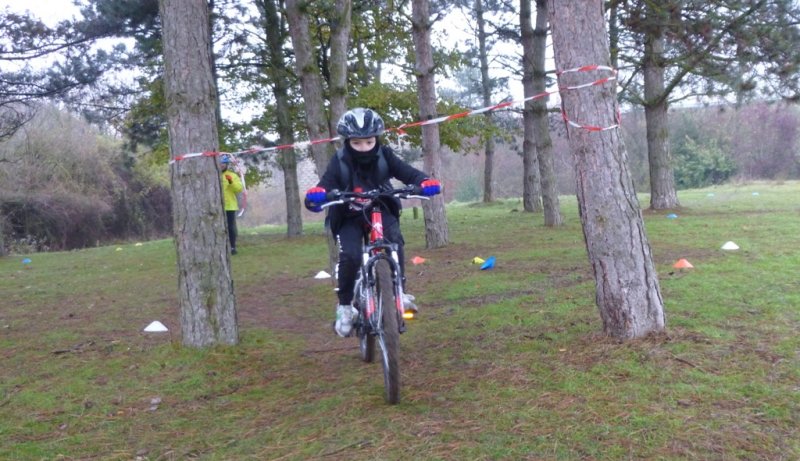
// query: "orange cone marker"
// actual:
[[418, 260], [682, 264]]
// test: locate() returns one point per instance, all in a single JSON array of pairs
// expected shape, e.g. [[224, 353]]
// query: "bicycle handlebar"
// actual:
[[337, 197]]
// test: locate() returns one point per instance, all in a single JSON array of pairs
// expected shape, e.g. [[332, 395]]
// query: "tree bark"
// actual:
[[436, 230], [280, 76], [205, 286], [531, 182], [627, 288], [662, 177], [486, 90]]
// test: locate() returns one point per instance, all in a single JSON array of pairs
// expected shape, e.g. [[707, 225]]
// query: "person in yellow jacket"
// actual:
[[231, 186]]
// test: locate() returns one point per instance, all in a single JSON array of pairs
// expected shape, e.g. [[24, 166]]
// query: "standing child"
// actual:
[[231, 186], [365, 164]]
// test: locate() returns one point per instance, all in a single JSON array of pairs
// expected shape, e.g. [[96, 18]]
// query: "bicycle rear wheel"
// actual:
[[389, 335]]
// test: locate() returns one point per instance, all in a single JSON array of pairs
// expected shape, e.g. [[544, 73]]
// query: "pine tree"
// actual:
[[205, 287], [627, 290]]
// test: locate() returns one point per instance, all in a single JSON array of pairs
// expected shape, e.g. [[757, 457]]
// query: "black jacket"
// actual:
[[366, 177]]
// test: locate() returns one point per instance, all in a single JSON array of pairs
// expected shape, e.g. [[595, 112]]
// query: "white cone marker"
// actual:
[[730, 246], [155, 327]]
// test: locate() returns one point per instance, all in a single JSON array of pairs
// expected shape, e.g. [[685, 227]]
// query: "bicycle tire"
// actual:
[[366, 336], [389, 335]]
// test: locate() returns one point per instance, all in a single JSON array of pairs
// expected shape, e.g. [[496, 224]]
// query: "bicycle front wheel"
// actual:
[[366, 343], [366, 338], [389, 334]]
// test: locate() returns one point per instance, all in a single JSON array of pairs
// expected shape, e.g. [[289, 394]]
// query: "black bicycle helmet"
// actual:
[[360, 123]]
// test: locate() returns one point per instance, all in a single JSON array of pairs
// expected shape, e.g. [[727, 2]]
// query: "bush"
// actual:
[[700, 165], [57, 220], [65, 186]]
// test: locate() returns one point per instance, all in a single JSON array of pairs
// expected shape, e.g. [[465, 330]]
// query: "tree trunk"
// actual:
[[531, 182], [662, 177], [340, 39], [488, 166], [310, 82], [627, 288], [205, 287], [535, 44], [541, 117], [280, 76], [340, 36], [291, 186], [486, 90], [436, 230]]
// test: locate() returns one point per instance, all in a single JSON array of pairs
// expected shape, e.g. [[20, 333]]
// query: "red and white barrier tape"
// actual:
[[400, 129], [601, 81]]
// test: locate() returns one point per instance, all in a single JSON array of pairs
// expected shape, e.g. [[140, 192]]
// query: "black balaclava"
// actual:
[[363, 158]]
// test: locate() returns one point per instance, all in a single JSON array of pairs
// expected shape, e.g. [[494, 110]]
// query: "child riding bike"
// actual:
[[362, 164]]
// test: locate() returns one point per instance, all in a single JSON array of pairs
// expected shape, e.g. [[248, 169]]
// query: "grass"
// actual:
[[504, 364]]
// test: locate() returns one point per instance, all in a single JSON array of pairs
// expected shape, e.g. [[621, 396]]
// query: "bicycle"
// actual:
[[378, 293]]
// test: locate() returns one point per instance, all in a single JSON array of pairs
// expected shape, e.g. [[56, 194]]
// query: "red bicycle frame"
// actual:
[[376, 231], [376, 235]]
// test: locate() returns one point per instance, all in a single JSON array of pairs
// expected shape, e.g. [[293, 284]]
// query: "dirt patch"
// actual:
[[281, 302]]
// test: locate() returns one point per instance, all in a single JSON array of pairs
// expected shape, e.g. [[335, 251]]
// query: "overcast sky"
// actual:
[[49, 11]]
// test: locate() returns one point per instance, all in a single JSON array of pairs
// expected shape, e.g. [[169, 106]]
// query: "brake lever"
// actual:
[[335, 202], [408, 195]]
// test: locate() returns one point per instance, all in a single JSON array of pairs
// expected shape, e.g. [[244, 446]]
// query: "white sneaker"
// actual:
[[345, 314], [408, 303]]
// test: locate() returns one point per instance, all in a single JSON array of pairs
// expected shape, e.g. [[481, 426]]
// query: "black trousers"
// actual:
[[232, 231], [350, 239]]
